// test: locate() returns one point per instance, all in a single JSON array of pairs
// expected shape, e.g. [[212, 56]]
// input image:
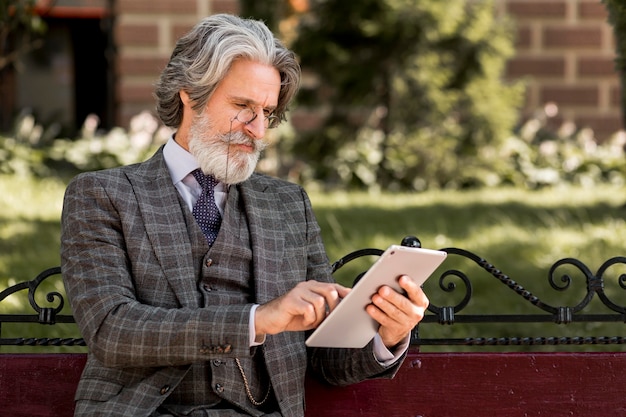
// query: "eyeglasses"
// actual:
[[247, 116]]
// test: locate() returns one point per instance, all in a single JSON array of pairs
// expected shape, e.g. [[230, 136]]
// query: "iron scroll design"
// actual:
[[45, 315], [450, 280]]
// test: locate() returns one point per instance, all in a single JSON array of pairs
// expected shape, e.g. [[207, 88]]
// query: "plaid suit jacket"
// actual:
[[128, 271]]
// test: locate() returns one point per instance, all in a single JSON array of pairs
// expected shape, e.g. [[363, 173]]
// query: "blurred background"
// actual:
[[491, 125]]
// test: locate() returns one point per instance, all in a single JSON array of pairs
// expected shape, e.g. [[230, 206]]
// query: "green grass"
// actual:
[[29, 243], [29, 226], [522, 233]]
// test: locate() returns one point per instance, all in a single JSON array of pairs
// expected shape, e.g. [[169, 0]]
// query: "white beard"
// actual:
[[215, 155]]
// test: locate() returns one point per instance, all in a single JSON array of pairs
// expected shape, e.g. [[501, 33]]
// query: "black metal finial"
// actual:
[[411, 241]]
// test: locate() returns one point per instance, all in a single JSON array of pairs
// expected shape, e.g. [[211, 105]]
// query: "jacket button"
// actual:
[[217, 362], [208, 262], [219, 388], [165, 390]]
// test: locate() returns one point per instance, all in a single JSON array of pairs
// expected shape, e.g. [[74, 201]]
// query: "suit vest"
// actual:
[[225, 277]]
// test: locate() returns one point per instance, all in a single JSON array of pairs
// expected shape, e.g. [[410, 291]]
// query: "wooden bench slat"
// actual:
[[551, 384], [39, 385], [485, 385]]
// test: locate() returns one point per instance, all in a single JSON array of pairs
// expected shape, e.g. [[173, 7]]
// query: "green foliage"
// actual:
[[22, 153], [537, 156], [269, 11], [412, 90], [533, 156], [34, 150], [20, 29]]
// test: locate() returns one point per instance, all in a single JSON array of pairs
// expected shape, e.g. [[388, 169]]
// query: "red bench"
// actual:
[[427, 385]]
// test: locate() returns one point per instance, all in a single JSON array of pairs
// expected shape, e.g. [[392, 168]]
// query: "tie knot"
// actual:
[[207, 182]]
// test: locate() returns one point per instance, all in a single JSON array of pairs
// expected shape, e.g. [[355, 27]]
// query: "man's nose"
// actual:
[[256, 128]]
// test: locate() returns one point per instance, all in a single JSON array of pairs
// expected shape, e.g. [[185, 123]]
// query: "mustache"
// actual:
[[240, 138]]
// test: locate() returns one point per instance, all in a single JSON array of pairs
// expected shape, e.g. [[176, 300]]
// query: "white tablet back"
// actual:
[[349, 325]]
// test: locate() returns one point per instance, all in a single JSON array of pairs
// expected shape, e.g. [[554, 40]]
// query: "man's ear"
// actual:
[[184, 97]]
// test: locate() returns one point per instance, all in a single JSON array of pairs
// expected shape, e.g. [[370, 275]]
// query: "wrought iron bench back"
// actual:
[[452, 314]]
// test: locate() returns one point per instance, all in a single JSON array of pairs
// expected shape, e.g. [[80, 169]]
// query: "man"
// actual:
[[195, 300]]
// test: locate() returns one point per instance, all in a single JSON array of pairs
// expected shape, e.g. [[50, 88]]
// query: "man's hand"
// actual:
[[302, 308], [398, 313]]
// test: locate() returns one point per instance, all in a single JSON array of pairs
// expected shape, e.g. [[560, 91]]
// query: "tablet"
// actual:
[[349, 325]]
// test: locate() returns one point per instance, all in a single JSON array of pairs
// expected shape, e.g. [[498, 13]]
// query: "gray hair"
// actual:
[[202, 57]]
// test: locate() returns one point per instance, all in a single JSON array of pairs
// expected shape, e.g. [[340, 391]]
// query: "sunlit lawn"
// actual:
[[522, 233]]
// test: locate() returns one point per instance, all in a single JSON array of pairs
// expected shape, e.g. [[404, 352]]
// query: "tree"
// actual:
[[411, 91], [269, 11], [20, 32], [617, 17]]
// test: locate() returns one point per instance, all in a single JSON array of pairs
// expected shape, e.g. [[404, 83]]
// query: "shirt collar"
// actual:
[[179, 162]]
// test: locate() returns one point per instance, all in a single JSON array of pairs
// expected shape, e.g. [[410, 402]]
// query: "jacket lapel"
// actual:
[[165, 226], [267, 238]]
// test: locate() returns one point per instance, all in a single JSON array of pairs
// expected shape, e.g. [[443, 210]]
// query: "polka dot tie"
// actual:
[[205, 210]]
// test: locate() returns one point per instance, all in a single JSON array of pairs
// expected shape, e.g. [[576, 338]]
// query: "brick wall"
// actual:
[[145, 34], [565, 51]]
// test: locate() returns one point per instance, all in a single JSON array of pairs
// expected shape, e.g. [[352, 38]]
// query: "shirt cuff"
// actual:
[[252, 329], [384, 355]]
